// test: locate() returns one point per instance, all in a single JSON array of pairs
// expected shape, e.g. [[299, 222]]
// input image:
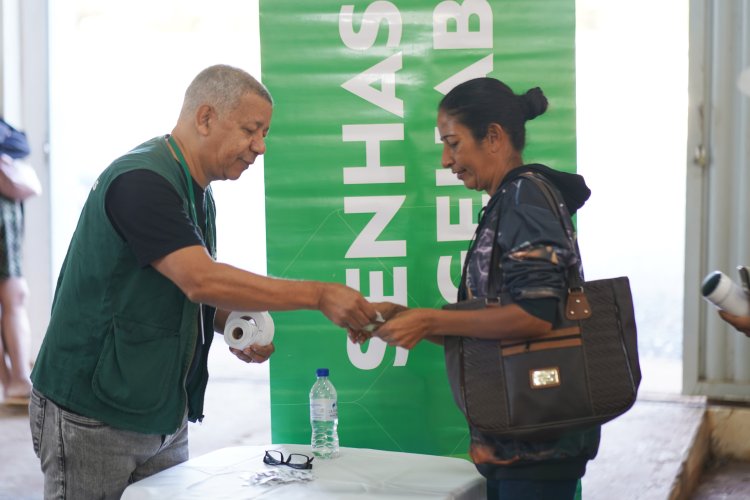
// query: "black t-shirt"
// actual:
[[148, 214]]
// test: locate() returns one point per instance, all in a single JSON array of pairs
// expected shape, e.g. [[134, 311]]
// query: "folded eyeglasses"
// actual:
[[293, 460]]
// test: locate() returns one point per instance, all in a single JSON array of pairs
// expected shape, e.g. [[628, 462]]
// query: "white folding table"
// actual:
[[356, 473]]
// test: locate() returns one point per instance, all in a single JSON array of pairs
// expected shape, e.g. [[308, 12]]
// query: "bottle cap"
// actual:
[[321, 372]]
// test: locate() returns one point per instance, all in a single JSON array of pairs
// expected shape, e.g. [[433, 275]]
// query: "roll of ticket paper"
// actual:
[[244, 329], [725, 294]]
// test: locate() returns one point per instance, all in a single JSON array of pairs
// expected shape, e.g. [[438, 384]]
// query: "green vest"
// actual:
[[121, 337]]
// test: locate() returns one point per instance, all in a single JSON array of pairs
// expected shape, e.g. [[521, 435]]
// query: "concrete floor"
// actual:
[[641, 453], [724, 481]]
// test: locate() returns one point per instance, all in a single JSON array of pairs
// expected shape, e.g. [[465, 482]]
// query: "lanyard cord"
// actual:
[[189, 178], [191, 193], [191, 202]]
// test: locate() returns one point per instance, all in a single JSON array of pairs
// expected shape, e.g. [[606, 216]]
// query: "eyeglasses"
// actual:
[[294, 460]]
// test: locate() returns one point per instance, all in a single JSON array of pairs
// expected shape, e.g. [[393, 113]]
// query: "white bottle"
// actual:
[[726, 294], [324, 417]]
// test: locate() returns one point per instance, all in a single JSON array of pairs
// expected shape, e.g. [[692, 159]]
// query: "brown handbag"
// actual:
[[583, 373]]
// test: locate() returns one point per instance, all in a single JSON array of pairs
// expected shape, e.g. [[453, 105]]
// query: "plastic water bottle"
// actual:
[[324, 417]]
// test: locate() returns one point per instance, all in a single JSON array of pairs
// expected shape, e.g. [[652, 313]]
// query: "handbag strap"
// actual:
[[577, 306], [556, 204]]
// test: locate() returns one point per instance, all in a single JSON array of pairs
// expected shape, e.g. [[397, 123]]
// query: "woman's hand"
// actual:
[[388, 310], [385, 310], [406, 328]]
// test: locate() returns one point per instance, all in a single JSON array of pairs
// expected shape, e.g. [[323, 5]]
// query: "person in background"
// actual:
[[123, 365], [482, 127], [18, 182], [740, 323]]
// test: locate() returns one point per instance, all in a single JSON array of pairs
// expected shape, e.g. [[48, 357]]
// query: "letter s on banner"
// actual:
[[368, 32], [373, 356]]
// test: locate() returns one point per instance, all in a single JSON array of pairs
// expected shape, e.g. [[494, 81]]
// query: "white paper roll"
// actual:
[[725, 294], [243, 329]]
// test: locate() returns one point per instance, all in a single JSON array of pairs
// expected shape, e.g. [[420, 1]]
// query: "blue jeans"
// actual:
[[84, 458], [521, 489]]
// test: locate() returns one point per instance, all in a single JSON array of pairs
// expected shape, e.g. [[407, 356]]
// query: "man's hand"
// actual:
[[388, 310], [741, 323], [254, 353], [359, 337], [345, 307]]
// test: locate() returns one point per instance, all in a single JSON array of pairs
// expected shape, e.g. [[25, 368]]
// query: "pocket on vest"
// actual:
[[136, 370]]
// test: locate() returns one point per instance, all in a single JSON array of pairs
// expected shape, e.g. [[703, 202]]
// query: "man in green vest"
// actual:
[[122, 368]]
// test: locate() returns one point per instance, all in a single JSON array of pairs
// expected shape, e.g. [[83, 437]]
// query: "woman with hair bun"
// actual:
[[482, 127]]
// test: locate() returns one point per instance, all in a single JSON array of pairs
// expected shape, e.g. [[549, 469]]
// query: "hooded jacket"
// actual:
[[534, 256]]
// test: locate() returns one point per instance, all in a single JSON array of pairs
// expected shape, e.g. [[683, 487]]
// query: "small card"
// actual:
[[371, 327]]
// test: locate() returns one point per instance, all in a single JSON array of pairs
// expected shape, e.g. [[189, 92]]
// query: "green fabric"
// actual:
[[320, 199], [121, 337]]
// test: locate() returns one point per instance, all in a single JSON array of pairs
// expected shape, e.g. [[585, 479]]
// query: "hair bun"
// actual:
[[535, 102]]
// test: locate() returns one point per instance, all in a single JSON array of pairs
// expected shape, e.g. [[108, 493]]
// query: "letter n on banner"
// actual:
[[355, 193]]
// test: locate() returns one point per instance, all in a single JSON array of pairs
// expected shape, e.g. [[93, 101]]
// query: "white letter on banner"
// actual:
[[385, 73], [462, 37], [384, 208], [368, 33], [465, 228], [373, 135], [375, 352], [445, 283], [482, 67]]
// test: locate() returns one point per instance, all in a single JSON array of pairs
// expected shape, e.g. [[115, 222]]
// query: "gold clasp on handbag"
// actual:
[[543, 378], [577, 306]]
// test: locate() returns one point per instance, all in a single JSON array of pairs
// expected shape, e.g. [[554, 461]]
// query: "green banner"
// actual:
[[355, 192]]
